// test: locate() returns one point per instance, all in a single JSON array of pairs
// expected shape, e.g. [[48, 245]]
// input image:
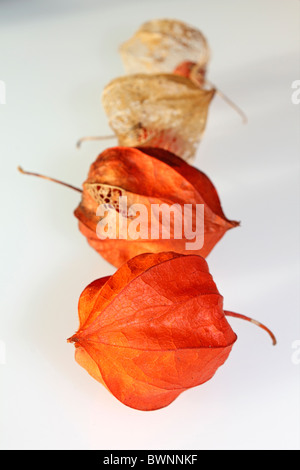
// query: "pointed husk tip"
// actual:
[[73, 339]]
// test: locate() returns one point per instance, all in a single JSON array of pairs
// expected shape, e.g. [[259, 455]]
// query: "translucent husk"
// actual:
[[157, 110], [158, 46]]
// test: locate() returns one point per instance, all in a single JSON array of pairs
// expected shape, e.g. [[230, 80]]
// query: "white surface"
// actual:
[[55, 58]]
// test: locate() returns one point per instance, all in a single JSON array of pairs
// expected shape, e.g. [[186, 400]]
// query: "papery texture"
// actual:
[[158, 46], [149, 177], [153, 329], [166, 111]]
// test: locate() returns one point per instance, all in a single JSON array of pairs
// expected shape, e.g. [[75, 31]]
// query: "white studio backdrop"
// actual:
[[55, 59]]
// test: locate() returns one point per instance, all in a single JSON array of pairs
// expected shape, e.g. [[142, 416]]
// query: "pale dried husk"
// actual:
[[159, 46], [157, 110]]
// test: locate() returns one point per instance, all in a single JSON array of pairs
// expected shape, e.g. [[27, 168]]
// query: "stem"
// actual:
[[228, 101], [103, 137], [243, 317], [72, 339], [49, 179]]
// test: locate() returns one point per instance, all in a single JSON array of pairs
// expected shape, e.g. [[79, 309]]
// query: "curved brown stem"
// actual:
[[230, 102], [49, 179], [243, 317], [88, 138]]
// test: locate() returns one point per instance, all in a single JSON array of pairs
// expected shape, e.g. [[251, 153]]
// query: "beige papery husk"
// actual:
[[160, 45], [157, 110]]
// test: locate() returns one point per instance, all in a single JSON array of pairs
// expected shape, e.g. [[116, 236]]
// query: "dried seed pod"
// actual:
[[161, 45], [166, 111], [151, 178], [154, 329], [152, 106], [170, 46]]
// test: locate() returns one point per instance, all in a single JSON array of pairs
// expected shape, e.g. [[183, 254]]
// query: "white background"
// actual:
[[55, 58]]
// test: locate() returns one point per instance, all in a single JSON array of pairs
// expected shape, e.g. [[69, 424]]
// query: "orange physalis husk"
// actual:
[[161, 45], [148, 176], [168, 111], [154, 329]]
